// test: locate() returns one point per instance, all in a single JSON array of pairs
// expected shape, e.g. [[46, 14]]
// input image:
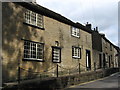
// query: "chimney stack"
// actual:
[[88, 26], [96, 28]]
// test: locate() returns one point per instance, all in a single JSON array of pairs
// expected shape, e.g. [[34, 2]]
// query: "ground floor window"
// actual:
[[56, 54], [76, 52], [33, 50]]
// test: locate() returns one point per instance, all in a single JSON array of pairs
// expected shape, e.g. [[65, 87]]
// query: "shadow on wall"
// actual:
[[12, 34], [13, 31]]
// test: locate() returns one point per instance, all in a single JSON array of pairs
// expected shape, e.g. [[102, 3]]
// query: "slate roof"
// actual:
[[49, 13]]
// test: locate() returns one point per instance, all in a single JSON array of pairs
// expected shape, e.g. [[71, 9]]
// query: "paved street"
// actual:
[[109, 83]]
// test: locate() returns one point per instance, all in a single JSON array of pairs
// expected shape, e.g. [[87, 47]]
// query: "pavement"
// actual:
[[111, 82]]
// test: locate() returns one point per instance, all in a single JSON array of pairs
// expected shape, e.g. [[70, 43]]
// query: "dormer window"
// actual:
[[75, 32], [33, 18]]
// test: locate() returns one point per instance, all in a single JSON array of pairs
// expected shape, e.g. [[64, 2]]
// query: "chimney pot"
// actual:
[[96, 28]]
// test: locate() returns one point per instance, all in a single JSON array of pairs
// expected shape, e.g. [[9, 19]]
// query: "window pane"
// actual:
[[27, 16], [39, 20], [39, 51], [78, 52], [33, 18], [73, 51], [26, 49], [33, 50]]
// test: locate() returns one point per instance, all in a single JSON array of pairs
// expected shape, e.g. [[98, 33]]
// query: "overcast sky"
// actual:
[[101, 13]]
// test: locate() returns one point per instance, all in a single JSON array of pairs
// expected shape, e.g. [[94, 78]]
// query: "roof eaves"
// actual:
[[49, 13]]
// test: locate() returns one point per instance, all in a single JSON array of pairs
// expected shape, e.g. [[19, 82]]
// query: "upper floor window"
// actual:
[[75, 32], [33, 50], [76, 52], [56, 54], [33, 18]]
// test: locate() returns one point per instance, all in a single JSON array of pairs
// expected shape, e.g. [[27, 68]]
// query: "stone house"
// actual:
[[108, 52], [116, 65], [97, 49], [104, 51], [36, 40]]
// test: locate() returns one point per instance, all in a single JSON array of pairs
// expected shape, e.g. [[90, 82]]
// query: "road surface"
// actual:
[[108, 83]]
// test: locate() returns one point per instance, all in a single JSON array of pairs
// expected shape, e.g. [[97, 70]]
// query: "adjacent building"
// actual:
[[104, 51], [97, 49]]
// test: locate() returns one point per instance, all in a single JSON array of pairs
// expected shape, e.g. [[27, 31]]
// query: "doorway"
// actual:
[[88, 60], [104, 61], [100, 61]]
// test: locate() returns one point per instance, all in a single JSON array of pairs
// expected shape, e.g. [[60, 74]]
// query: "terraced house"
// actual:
[[97, 49], [108, 52], [116, 57], [38, 39], [37, 42], [104, 51]]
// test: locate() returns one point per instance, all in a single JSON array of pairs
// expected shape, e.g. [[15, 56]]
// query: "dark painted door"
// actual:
[[100, 61], [104, 61]]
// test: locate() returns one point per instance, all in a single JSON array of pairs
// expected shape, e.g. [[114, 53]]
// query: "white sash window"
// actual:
[[33, 18], [76, 52], [75, 32], [33, 50]]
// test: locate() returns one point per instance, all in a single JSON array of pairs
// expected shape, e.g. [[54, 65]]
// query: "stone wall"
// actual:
[[15, 31], [61, 82], [109, 53]]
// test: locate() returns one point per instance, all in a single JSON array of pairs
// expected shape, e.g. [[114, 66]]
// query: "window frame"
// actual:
[[34, 59], [59, 48], [31, 16], [75, 30], [78, 49]]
